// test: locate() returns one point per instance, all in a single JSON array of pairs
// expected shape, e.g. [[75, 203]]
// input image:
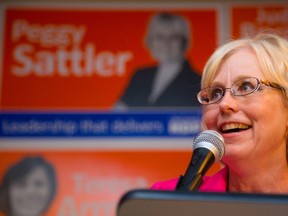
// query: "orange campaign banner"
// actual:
[[82, 58], [86, 183], [63, 69], [248, 19]]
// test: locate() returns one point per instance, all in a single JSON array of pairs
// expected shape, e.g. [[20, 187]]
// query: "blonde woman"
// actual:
[[245, 98]]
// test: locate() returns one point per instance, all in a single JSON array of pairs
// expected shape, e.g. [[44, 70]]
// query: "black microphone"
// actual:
[[208, 147]]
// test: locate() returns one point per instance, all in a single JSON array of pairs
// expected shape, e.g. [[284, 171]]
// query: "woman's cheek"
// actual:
[[210, 119]]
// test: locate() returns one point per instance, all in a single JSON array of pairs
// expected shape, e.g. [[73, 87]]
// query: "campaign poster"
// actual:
[[249, 19], [82, 58], [81, 183], [64, 68]]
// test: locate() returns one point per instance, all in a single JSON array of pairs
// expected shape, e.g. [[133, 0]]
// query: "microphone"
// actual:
[[208, 147]]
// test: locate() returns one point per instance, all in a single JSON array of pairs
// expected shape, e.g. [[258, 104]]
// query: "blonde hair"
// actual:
[[271, 51]]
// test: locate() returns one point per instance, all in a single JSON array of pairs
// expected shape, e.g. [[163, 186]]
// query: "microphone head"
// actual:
[[211, 140]]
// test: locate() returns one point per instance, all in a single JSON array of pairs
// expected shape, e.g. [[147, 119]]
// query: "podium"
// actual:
[[172, 203]]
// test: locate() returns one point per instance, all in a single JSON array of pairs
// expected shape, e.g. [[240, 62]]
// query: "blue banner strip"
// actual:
[[172, 124]]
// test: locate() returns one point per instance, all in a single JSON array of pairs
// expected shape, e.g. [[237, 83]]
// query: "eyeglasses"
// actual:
[[242, 87]]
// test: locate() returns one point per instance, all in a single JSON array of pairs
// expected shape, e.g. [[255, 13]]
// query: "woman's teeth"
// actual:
[[234, 127]]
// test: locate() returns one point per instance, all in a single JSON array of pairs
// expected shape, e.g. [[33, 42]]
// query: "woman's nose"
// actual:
[[229, 102]]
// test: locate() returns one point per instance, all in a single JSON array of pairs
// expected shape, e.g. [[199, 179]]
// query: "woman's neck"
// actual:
[[267, 179]]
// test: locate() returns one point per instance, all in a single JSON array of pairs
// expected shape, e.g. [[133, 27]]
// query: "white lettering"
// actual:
[[96, 195], [76, 59], [18, 28], [67, 58], [248, 28], [74, 62], [19, 55], [104, 63], [89, 52], [44, 65], [49, 34], [122, 59], [89, 126], [272, 17], [69, 207], [112, 185], [62, 57], [39, 127]]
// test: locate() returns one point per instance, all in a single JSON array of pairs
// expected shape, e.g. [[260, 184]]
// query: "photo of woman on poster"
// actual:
[[173, 82], [28, 187]]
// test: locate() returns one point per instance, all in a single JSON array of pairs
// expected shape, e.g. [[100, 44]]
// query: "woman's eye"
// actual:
[[215, 93], [245, 87]]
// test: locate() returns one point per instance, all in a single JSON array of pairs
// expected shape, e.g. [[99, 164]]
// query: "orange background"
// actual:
[[115, 172], [249, 14], [113, 30]]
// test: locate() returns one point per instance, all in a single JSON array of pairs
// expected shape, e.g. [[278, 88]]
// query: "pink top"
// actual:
[[215, 183]]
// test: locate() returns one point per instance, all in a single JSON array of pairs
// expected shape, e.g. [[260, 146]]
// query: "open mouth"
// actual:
[[234, 127]]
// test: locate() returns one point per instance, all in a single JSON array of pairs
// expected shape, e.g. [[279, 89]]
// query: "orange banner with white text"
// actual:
[[76, 59], [83, 182], [250, 19]]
